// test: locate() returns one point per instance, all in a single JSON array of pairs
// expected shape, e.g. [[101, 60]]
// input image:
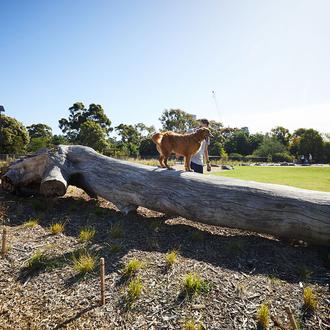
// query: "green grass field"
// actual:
[[313, 178]]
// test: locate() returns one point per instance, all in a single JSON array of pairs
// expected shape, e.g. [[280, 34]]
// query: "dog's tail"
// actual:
[[157, 138]]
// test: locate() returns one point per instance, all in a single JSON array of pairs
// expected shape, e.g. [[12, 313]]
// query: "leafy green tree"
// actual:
[[79, 115], [147, 148], [130, 138], [311, 142], [326, 152], [255, 140], [238, 142], [59, 139], [38, 143], [177, 120], [40, 136], [269, 147], [91, 134], [14, 137], [281, 134], [40, 131]]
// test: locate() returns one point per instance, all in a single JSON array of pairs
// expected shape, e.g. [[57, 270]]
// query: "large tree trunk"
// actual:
[[279, 210]]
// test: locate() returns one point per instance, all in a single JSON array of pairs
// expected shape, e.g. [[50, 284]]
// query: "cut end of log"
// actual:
[[52, 188]]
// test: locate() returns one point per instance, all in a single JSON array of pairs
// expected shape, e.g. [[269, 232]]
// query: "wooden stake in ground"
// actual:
[[102, 281], [4, 242], [293, 321]]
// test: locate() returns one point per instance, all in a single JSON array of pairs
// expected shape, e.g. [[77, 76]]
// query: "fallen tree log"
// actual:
[[266, 208]]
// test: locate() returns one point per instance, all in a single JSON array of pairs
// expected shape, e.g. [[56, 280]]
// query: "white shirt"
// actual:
[[198, 157]]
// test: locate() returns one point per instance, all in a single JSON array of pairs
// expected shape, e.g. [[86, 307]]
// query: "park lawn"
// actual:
[[313, 178]]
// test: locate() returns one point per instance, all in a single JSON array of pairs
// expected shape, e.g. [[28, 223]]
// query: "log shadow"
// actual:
[[235, 250]]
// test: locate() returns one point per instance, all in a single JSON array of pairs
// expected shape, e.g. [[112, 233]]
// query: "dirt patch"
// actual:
[[242, 270]]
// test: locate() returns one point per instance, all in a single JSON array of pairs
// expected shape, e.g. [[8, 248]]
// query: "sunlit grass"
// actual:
[[132, 267], [134, 290], [310, 300], [194, 285], [84, 263], [263, 316], [56, 228], [171, 258], [86, 234], [31, 223], [313, 178]]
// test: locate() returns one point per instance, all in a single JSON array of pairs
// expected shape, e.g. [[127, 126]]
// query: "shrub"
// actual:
[[56, 228], [31, 223], [282, 157], [132, 267], [310, 300], [84, 263], [235, 155], [86, 234], [263, 316], [171, 258]]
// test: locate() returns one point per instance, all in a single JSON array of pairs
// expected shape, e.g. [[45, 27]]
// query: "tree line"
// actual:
[[90, 126]]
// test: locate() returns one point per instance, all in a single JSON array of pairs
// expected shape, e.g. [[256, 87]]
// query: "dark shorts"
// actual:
[[196, 168]]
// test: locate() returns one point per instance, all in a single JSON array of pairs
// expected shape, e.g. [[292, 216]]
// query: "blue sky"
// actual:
[[268, 61]]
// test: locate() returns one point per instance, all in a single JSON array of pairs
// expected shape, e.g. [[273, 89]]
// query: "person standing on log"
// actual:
[[197, 160]]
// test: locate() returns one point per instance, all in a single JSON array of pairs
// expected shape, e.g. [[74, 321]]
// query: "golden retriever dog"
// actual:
[[181, 144]]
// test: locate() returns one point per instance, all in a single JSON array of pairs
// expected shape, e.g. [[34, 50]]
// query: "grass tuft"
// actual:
[[132, 267], [31, 223], [310, 300], [171, 258], [37, 261], [194, 285], [116, 231], [86, 234], [134, 290], [191, 325], [56, 228], [85, 263], [115, 248], [263, 316]]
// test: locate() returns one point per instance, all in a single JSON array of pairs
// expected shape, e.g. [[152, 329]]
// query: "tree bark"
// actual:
[[266, 208]]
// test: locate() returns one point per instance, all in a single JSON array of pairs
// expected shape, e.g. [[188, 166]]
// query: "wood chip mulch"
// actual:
[[243, 270]]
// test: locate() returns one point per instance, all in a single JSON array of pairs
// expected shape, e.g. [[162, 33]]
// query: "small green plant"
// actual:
[[197, 236], [134, 290], [86, 234], [37, 261], [192, 325], [116, 231], [132, 267], [31, 223], [56, 228], [310, 300], [304, 272], [194, 285], [263, 316], [171, 258], [85, 262], [98, 211], [115, 248], [39, 205], [235, 247]]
